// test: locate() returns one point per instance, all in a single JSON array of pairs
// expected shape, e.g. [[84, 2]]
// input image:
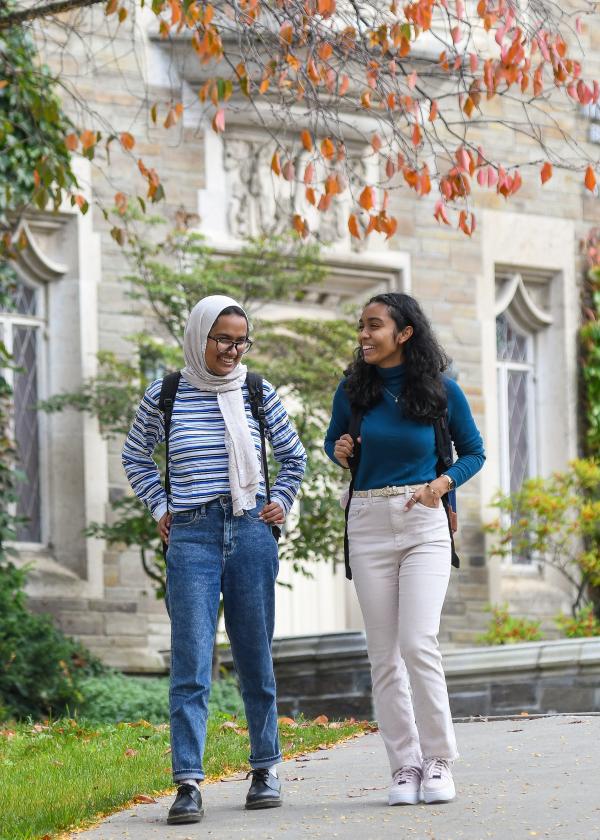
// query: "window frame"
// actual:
[[9, 320]]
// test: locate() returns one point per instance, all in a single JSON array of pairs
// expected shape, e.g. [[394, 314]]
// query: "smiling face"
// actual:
[[379, 338], [228, 328]]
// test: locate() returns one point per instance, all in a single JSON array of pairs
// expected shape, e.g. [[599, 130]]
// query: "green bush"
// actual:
[[116, 697], [41, 669], [507, 629], [583, 625]]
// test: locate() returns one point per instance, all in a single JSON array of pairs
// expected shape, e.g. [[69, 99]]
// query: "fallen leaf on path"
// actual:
[[143, 799]]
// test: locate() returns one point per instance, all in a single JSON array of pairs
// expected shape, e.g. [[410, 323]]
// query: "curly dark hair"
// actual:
[[423, 395]]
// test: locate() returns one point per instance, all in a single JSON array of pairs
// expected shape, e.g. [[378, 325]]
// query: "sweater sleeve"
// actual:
[[340, 421], [287, 449], [147, 431], [465, 436]]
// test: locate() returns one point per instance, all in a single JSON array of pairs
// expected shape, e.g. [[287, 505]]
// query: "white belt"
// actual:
[[405, 490]]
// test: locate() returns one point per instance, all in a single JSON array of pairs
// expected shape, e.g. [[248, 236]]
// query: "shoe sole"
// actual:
[[439, 797], [402, 798], [186, 818], [266, 803]]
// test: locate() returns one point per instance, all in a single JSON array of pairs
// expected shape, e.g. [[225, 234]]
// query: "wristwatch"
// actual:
[[450, 480]]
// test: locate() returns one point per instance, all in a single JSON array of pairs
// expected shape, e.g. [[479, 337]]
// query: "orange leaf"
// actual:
[[276, 164], [121, 202], [344, 85], [376, 142], [367, 198], [300, 226], [326, 7], [309, 173], [88, 139], [310, 196], [218, 122], [111, 7], [325, 51], [3, 84], [71, 142], [390, 168], [170, 119], [546, 172], [433, 111], [179, 109], [286, 33], [306, 140], [143, 799], [590, 179], [327, 148], [127, 140], [416, 135], [353, 226]]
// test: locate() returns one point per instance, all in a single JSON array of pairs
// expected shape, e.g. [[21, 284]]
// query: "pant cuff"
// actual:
[[261, 764], [180, 775]]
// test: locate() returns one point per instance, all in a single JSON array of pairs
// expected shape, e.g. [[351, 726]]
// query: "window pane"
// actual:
[[518, 433], [21, 298], [511, 345], [26, 431]]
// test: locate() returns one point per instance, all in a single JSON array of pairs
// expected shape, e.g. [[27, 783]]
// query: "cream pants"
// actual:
[[400, 564]]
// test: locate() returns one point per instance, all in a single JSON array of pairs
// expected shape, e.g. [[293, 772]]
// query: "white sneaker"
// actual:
[[438, 784], [406, 786]]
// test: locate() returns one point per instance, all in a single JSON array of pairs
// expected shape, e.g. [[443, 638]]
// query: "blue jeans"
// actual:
[[212, 551]]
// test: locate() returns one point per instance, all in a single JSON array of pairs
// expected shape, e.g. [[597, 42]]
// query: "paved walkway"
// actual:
[[517, 779]]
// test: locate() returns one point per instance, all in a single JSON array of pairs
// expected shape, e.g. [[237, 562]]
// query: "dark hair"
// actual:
[[232, 310], [423, 395]]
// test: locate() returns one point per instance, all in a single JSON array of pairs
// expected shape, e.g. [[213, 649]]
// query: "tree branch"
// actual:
[[48, 10]]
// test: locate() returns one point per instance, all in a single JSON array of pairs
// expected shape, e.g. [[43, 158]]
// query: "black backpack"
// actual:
[[254, 382], [443, 446]]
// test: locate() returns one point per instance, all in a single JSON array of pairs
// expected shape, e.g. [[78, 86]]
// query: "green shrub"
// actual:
[[583, 625], [507, 629], [41, 669], [116, 697]]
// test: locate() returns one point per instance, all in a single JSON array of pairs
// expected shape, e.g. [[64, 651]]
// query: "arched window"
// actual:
[[516, 403], [21, 323], [519, 322]]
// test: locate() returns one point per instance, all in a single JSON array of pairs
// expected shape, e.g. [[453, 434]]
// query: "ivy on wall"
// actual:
[[35, 164]]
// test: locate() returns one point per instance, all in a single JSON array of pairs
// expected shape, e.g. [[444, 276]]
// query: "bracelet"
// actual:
[[450, 481]]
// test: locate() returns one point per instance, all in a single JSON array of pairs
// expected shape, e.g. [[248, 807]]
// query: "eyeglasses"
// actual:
[[224, 345]]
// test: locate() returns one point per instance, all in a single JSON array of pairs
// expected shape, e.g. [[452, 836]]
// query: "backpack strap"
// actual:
[[356, 417], [254, 383], [443, 445], [166, 400]]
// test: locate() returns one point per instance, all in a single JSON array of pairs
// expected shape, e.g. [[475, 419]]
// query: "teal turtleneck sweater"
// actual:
[[396, 450]]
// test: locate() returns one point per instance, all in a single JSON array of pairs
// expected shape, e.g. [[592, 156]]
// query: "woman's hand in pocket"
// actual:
[[164, 526], [272, 514], [425, 495]]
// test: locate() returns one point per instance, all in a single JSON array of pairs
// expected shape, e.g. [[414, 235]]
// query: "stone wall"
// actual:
[[330, 675]]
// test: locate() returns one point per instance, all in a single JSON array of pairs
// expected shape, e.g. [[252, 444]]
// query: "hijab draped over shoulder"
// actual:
[[244, 470]]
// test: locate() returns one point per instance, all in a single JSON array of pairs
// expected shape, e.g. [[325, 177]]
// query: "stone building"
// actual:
[[505, 304]]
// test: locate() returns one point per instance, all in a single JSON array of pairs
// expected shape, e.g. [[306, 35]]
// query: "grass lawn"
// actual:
[[58, 776]]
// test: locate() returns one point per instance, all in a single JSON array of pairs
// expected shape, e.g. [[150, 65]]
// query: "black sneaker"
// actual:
[[265, 790], [187, 807]]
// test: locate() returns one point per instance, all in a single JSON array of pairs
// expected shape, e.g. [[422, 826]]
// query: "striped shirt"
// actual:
[[198, 461]]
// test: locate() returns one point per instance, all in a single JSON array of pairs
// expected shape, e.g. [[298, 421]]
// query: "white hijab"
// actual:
[[244, 471]]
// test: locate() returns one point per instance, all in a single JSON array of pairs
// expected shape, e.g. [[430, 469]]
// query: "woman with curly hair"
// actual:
[[399, 545]]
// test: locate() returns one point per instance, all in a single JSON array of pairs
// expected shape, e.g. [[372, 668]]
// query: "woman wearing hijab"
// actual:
[[398, 536], [218, 530]]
